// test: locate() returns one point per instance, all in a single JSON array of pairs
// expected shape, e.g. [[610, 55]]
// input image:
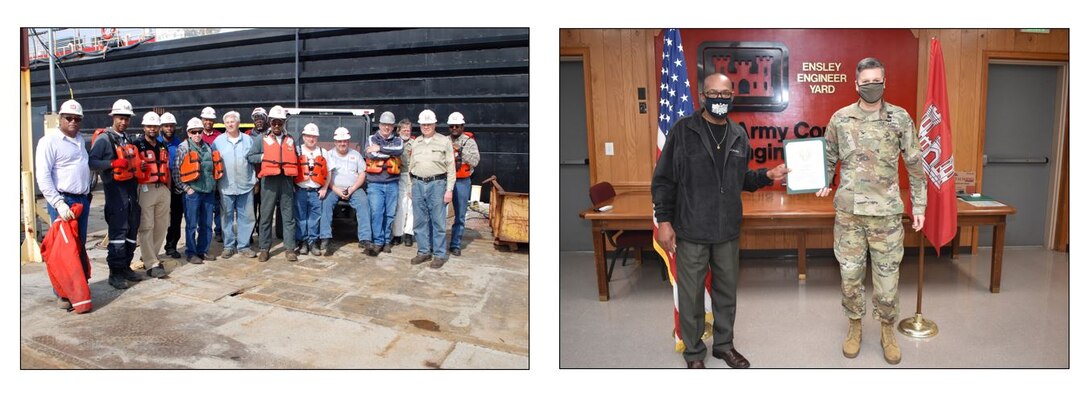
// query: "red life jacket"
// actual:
[[317, 170], [67, 262], [156, 166], [124, 149], [278, 158], [463, 169]]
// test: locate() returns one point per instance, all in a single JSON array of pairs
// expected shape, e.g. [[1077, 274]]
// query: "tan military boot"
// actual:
[[852, 345], [887, 341]]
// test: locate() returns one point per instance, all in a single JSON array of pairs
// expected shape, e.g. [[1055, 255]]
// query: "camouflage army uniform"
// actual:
[[868, 209]]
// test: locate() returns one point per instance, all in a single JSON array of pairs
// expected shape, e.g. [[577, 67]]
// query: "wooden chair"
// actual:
[[622, 241]]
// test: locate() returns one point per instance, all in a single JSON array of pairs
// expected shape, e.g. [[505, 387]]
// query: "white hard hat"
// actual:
[[310, 129], [71, 107], [167, 118], [207, 113], [341, 134], [456, 118], [427, 117], [277, 112], [151, 119], [121, 107], [388, 118], [258, 111], [194, 123]]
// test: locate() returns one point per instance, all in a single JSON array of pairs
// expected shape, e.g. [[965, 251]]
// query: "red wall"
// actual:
[[896, 48]]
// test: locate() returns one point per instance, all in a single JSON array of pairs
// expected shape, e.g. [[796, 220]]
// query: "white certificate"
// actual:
[[805, 159]]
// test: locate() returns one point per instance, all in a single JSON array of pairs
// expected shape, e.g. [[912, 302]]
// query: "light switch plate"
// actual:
[[609, 149]]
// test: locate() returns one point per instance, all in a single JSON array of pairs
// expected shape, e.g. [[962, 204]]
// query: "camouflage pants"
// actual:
[[882, 236]]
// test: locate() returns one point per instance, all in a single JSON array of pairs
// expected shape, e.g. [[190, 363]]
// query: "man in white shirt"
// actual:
[[348, 172]]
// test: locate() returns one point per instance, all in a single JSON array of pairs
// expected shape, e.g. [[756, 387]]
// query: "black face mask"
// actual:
[[871, 92], [717, 107]]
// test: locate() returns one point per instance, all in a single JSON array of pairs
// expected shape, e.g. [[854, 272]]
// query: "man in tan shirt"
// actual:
[[430, 185]]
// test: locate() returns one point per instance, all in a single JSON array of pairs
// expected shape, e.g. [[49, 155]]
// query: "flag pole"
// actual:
[[918, 326]]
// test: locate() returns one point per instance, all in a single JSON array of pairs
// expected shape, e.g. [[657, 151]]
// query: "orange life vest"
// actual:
[[124, 149], [316, 170], [278, 158], [463, 169], [156, 166], [190, 166], [375, 166]]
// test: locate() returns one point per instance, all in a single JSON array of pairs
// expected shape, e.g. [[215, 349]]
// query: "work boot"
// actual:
[[173, 253], [118, 282], [312, 247], [455, 251], [157, 271], [323, 247], [194, 259], [395, 241], [131, 275], [367, 248], [291, 256], [263, 256], [63, 303], [408, 239], [388, 248], [887, 341], [852, 344], [208, 257], [249, 253], [419, 259], [228, 253], [302, 249], [438, 262]]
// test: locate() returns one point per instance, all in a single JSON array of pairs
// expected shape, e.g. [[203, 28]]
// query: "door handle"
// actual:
[[574, 162], [1030, 160]]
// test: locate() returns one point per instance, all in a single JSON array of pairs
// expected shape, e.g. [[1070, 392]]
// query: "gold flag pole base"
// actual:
[[918, 327]]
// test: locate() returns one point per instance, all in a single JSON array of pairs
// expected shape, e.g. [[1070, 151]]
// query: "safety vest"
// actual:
[[463, 169], [279, 157], [316, 170], [156, 166], [124, 149], [190, 165]]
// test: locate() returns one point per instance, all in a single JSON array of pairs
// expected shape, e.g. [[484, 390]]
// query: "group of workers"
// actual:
[[237, 180]]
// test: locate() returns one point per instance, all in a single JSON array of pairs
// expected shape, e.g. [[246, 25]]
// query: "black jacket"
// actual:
[[687, 190]]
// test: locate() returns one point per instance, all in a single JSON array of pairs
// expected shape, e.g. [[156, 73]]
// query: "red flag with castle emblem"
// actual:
[[935, 137]]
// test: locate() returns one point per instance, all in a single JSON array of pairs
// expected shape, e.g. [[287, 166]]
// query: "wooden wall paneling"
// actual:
[[627, 154]]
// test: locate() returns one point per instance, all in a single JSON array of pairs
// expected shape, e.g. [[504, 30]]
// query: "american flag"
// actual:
[[675, 102]]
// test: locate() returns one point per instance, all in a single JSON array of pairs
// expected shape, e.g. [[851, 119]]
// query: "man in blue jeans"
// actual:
[[196, 176], [431, 181], [383, 175], [312, 187], [348, 171], [64, 178], [236, 187], [466, 156]]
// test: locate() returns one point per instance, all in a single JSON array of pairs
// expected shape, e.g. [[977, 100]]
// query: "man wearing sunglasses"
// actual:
[[466, 156], [60, 165], [696, 188], [868, 137], [196, 175]]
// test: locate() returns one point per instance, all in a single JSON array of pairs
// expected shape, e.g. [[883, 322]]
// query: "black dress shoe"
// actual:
[[697, 364], [733, 358], [173, 253], [394, 241], [408, 239]]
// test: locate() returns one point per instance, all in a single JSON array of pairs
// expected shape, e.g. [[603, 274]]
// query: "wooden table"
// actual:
[[776, 210]]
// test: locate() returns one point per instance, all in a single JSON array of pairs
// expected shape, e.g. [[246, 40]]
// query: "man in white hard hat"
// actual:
[[169, 137], [348, 174], [432, 177], [276, 155], [466, 156], [403, 221], [197, 170], [153, 193], [313, 187], [116, 158], [383, 171], [60, 165], [207, 118], [236, 187], [260, 123]]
